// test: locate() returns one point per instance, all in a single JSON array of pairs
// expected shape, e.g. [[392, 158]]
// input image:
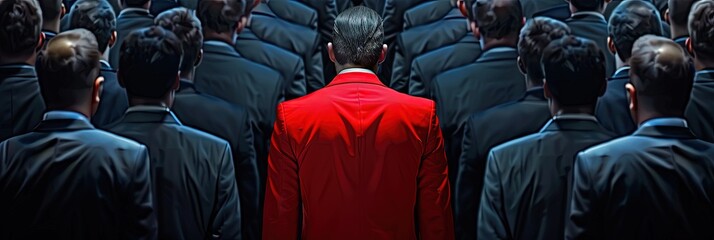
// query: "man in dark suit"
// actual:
[[228, 121], [326, 13], [677, 15], [66, 179], [531, 7], [20, 102], [511, 207], [588, 22], [700, 110], [299, 39], [225, 74], [135, 15], [494, 78], [489, 128], [393, 16], [192, 172], [657, 183], [630, 21], [288, 10], [52, 12], [98, 18]]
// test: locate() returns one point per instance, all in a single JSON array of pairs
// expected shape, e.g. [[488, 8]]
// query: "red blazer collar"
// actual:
[[356, 77]]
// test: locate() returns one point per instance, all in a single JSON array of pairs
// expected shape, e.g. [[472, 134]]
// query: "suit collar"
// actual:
[[682, 40], [126, 12], [63, 124], [622, 73], [17, 70], [498, 54], [356, 77], [665, 132], [186, 87], [219, 47], [49, 34], [706, 75], [573, 123], [589, 16], [535, 94], [150, 114], [105, 66]]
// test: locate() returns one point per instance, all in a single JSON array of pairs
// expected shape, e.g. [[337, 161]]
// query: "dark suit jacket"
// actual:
[[291, 11], [393, 16], [20, 102], [68, 180], [700, 110], [416, 41], [493, 80], [290, 66], [526, 183], [482, 132], [612, 108], [326, 13], [114, 100], [531, 7], [232, 123], [429, 65], [159, 6], [299, 39], [593, 26], [225, 74], [656, 184], [192, 175], [128, 21]]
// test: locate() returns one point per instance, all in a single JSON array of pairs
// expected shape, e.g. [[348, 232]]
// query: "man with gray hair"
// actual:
[[360, 160]]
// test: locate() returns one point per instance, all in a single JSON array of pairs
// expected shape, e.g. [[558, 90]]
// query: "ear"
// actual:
[[97, 90], [112, 39], [632, 97], [690, 48], [199, 58], [40, 42], [667, 17], [241, 24], [474, 29], [63, 11], [383, 55], [611, 45], [461, 4], [331, 52], [522, 66]]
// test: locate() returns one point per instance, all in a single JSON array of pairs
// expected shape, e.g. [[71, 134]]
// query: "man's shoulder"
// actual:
[[392, 99], [509, 148], [201, 138], [82, 139], [206, 105], [459, 74]]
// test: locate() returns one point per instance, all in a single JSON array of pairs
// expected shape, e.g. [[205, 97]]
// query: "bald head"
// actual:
[[498, 19]]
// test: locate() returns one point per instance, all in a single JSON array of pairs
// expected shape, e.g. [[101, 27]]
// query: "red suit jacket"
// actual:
[[362, 161]]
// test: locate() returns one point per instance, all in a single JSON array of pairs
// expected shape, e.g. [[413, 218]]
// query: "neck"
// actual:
[[556, 109], [340, 67], [51, 26], [574, 9], [678, 32], [508, 41], [227, 37], [531, 84], [701, 64], [187, 76], [619, 63], [4, 60], [165, 101]]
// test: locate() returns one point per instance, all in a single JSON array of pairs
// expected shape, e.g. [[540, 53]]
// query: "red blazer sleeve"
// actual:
[[282, 194], [434, 204]]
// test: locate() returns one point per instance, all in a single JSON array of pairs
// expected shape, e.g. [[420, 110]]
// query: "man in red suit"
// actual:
[[360, 160]]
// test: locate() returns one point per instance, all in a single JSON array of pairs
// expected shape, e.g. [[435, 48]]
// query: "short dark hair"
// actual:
[[149, 62], [630, 21], [701, 29], [188, 29], [20, 27], [358, 37], [68, 67], [51, 9], [679, 11], [588, 5], [220, 15], [574, 71], [98, 17], [535, 36], [662, 74], [135, 3], [498, 18]]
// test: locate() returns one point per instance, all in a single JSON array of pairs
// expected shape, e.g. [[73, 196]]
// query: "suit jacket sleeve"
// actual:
[[583, 215], [315, 78], [246, 172], [492, 221], [467, 186], [434, 203], [282, 197], [140, 219], [227, 223], [297, 87]]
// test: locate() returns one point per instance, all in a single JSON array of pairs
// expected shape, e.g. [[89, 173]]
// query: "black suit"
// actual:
[[68, 180], [700, 110], [429, 65], [531, 7], [656, 184], [393, 16], [326, 13], [526, 182], [416, 41], [290, 66], [291, 11], [114, 101], [223, 73], [128, 20], [20, 102], [493, 80], [232, 123], [299, 39], [482, 132], [613, 107], [192, 175], [593, 26], [159, 6]]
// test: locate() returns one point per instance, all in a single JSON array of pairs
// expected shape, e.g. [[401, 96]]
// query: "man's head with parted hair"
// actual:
[[630, 21], [574, 72], [701, 32], [188, 29], [661, 78], [535, 36], [20, 28], [497, 19], [98, 17], [358, 38], [149, 63], [68, 71]]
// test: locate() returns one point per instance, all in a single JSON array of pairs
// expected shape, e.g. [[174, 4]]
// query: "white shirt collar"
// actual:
[[354, 70], [666, 122], [147, 108], [59, 114], [574, 116], [134, 9], [619, 70]]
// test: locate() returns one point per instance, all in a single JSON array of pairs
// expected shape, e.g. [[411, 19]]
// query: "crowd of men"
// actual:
[[356, 119]]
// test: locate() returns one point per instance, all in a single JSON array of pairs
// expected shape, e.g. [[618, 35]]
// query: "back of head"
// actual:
[[661, 74], [51, 9], [67, 69], [497, 19], [679, 12], [188, 29], [149, 62], [588, 5], [20, 27], [220, 16], [358, 37], [701, 30], [98, 17], [535, 36], [574, 71], [630, 21], [134, 3]]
